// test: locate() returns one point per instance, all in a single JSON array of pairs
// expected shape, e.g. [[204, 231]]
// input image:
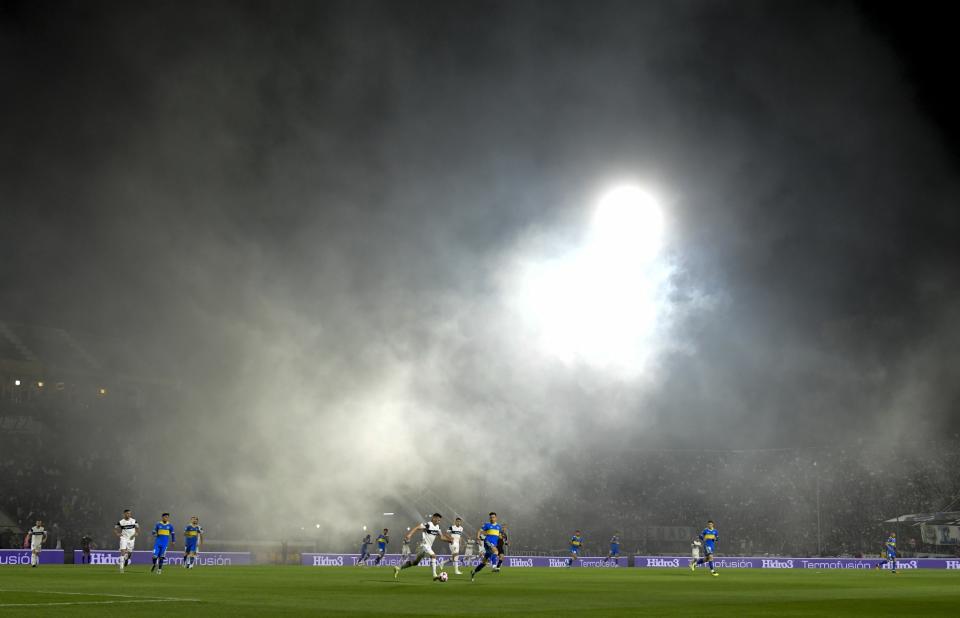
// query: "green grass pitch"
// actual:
[[302, 591]]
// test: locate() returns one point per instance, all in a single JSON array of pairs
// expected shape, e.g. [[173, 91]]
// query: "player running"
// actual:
[[890, 548], [166, 536], [431, 530], [614, 548], [455, 532], [695, 548], [382, 541], [710, 538], [126, 530], [576, 542], [364, 552], [192, 540], [488, 537], [502, 543], [35, 537]]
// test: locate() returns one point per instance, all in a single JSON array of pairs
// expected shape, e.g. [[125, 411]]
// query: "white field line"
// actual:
[[127, 598]]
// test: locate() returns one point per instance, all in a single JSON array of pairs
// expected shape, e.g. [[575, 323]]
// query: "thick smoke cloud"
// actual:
[[308, 214]]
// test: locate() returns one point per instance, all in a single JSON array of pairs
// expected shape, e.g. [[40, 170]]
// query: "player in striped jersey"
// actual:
[[455, 532], [126, 530], [36, 537], [431, 530]]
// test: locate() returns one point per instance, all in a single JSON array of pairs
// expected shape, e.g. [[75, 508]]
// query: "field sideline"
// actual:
[[349, 591]]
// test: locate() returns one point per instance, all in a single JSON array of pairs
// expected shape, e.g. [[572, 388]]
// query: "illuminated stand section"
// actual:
[[21, 557], [590, 562], [772, 562]]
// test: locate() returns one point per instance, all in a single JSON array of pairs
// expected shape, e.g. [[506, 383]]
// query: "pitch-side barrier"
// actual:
[[174, 557], [595, 562], [736, 562]]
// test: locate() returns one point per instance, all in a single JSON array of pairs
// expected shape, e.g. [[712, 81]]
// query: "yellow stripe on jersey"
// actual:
[[709, 537], [163, 532], [491, 532], [190, 533]]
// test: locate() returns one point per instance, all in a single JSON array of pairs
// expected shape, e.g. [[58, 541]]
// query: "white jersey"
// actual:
[[128, 528], [430, 533], [37, 534], [456, 532]]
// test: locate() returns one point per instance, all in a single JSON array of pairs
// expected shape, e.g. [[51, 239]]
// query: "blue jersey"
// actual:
[[382, 541], [491, 533], [165, 533], [575, 543], [891, 546], [191, 535], [614, 544], [709, 536]]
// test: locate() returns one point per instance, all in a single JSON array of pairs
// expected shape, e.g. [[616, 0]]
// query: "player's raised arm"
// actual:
[[418, 527]]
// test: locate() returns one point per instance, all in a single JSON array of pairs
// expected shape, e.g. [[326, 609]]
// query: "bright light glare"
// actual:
[[600, 303]]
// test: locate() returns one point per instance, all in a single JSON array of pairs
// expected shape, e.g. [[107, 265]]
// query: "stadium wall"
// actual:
[[737, 562], [112, 557], [310, 559], [20, 557]]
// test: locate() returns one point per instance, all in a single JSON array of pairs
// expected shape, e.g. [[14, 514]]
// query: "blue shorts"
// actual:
[[891, 555], [708, 549], [191, 548], [614, 550], [381, 548], [574, 550], [160, 549], [490, 551]]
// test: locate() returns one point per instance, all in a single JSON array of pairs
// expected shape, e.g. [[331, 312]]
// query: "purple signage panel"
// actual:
[[174, 557], [594, 562], [22, 556], [735, 562]]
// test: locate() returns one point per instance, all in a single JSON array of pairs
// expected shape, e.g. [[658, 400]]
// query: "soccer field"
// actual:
[[295, 591]]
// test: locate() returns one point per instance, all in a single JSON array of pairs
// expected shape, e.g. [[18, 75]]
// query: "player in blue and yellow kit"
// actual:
[[710, 538], [614, 548], [382, 541], [488, 536], [890, 548], [192, 538], [576, 542], [166, 535]]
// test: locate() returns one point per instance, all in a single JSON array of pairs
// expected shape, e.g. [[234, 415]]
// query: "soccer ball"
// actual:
[[443, 576]]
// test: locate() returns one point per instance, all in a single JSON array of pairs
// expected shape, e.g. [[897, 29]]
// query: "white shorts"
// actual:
[[426, 550], [695, 553], [36, 545], [126, 544], [454, 548]]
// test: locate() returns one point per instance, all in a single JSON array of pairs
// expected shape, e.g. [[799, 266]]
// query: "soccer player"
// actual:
[[576, 542], [126, 530], [488, 536], [710, 538], [364, 552], [382, 541], [192, 539], [695, 547], [431, 530], [502, 543], [86, 544], [614, 548], [166, 536], [455, 532], [36, 536], [890, 548]]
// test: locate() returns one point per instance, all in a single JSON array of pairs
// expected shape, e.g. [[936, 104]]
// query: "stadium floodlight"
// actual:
[[387, 514], [16, 382], [40, 384], [102, 392], [318, 526], [364, 528], [599, 304]]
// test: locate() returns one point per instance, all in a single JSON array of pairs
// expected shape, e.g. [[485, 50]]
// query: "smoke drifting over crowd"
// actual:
[[317, 218]]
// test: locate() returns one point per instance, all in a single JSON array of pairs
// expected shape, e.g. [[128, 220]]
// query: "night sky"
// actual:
[[319, 208]]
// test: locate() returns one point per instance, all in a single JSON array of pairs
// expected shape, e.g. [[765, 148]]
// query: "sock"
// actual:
[[154, 561], [433, 565], [161, 562], [710, 564], [122, 562], [882, 562], [479, 567], [894, 565], [699, 561], [406, 565]]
